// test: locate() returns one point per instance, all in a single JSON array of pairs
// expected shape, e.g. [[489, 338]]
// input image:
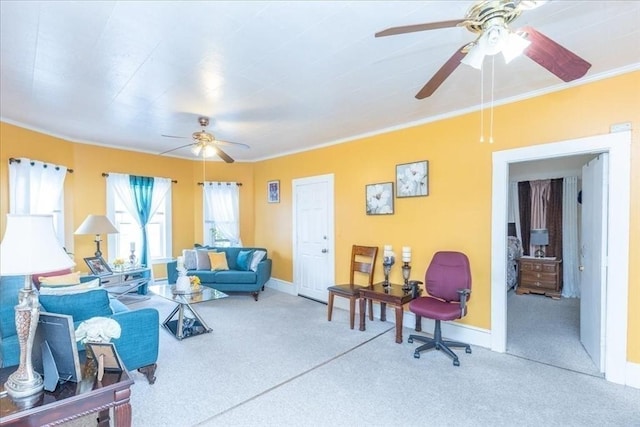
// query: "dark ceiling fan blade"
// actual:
[[558, 60], [224, 156], [418, 27], [442, 74], [177, 148], [173, 136]]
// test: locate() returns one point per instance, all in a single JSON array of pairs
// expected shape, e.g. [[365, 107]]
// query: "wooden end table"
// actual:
[[71, 400], [392, 295]]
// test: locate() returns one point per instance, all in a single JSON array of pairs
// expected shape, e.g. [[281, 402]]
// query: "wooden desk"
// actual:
[[393, 295], [71, 400]]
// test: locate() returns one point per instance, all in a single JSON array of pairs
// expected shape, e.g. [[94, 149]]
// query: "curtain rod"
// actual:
[[239, 184], [11, 160], [106, 175]]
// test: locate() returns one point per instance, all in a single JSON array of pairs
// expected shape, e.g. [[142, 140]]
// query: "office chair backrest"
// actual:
[[363, 260], [448, 272]]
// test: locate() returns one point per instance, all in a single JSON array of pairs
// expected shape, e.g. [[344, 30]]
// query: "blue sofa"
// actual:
[[138, 342], [234, 279]]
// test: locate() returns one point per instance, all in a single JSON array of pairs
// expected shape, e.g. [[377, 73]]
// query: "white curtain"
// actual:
[[514, 208], [222, 204], [571, 276], [119, 185], [37, 188]]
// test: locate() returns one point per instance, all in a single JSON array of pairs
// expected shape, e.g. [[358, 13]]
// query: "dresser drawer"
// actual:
[[110, 281], [539, 266]]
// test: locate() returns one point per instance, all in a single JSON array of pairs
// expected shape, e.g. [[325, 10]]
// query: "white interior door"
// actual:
[[313, 262], [593, 258]]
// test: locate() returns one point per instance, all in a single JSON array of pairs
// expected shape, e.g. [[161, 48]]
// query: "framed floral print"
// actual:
[[379, 198], [412, 179], [273, 191]]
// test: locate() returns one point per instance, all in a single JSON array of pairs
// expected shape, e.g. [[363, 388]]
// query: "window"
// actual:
[[121, 204], [38, 188], [221, 214]]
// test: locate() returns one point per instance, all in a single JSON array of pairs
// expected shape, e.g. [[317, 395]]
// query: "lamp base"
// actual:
[[25, 381], [539, 253]]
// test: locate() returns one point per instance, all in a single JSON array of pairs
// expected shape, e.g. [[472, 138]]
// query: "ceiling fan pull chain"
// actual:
[[481, 104], [493, 72]]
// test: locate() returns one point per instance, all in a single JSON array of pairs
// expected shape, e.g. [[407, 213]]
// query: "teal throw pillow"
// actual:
[[244, 260], [82, 306]]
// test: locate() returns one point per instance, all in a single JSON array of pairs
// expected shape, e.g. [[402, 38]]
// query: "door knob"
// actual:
[[324, 251]]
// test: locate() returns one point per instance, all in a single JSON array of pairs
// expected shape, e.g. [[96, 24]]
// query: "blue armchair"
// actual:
[[138, 342]]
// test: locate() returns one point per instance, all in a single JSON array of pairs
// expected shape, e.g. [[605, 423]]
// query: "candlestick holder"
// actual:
[[387, 262], [132, 258], [406, 273]]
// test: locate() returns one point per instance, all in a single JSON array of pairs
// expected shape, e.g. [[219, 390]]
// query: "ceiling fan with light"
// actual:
[[206, 144], [490, 20]]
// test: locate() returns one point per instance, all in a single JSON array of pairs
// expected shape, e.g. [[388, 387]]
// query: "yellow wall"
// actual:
[[455, 215], [85, 188]]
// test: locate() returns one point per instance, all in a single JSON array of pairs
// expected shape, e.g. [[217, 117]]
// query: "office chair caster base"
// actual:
[[467, 350], [416, 355], [410, 340], [456, 362]]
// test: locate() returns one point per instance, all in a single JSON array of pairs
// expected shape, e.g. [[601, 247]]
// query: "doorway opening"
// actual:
[[618, 146]]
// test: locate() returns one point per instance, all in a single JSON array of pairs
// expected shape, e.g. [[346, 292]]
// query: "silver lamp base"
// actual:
[[25, 381]]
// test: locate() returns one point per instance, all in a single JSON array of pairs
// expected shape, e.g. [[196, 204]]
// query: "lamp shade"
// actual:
[[539, 236], [30, 246], [96, 224]]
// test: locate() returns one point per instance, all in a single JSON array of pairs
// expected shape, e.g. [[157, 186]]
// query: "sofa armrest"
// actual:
[[172, 272], [263, 272], [138, 342]]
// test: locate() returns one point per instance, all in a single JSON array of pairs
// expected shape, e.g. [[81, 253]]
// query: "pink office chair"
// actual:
[[448, 283]]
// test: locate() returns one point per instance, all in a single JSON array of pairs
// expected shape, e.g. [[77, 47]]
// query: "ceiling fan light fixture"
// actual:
[[208, 151], [196, 149], [475, 57], [514, 46]]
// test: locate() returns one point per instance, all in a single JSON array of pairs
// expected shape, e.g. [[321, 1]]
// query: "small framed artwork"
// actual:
[[412, 179], [105, 356], [273, 191], [98, 265], [379, 198]]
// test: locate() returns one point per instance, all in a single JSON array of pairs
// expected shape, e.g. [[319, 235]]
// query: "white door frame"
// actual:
[[330, 223], [618, 145]]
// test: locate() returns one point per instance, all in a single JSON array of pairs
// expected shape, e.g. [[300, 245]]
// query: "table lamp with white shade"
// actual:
[[97, 225], [29, 246]]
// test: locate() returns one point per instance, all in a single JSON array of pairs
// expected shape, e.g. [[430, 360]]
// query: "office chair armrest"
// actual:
[[464, 294]]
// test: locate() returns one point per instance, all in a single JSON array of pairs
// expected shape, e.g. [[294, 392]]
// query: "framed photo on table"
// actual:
[[106, 357], [98, 265], [273, 191]]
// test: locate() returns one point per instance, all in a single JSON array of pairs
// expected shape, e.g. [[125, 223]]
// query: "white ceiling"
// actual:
[[279, 76]]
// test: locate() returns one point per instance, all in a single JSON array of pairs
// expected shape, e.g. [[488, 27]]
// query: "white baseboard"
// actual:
[[633, 375], [282, 286]]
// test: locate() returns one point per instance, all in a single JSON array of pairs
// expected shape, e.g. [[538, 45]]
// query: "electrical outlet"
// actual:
[[620, 127]]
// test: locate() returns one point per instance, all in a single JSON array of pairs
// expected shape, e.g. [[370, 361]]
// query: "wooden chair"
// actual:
[[363, 262]]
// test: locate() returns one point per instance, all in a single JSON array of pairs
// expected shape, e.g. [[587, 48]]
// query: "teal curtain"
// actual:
[[142, 187]]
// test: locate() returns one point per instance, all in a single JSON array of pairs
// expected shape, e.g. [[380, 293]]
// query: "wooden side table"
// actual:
[[540, 276], [393, 295], [71, 400]]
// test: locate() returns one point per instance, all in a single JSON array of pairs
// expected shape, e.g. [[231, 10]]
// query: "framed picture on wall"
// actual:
[[379, 198], [273, 191], [412, 179]]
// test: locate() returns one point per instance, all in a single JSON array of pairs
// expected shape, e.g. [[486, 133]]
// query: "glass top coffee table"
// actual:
[[185, 326]]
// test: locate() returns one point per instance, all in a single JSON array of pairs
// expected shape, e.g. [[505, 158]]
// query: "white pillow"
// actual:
[[190, 259], [257, 257], [72, 289]]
